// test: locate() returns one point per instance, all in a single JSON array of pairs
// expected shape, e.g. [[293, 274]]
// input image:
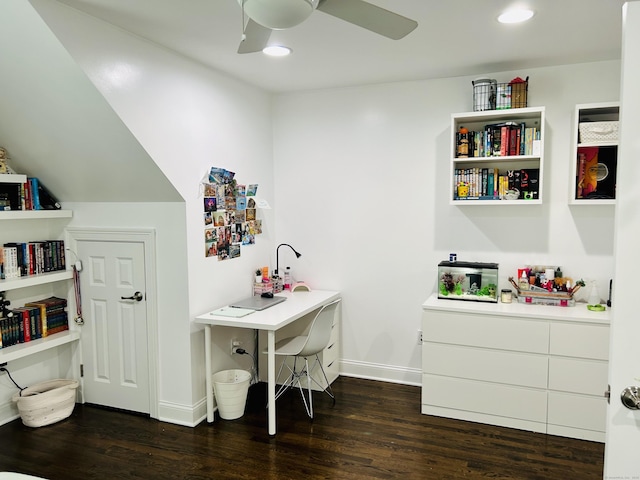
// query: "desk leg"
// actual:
[[271, 385], [208, 374]]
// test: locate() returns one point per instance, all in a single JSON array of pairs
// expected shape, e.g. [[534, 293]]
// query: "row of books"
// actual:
[[37, 319], [19, 259], [501, 140], [31, 195], [491, 184]]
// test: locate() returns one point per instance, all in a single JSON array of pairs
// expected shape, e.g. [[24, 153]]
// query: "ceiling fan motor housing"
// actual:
[[278, 14]]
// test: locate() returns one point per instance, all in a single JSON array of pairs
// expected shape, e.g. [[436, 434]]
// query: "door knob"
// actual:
[[136, 296], [630, 397]]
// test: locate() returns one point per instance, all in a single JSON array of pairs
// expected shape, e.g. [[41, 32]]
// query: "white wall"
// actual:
[[362, 184], [188, 119]]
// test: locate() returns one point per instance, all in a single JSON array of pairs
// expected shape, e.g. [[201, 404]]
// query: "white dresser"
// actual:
[[532, 367]]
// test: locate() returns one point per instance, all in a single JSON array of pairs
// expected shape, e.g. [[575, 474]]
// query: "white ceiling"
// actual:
[[454, 37]]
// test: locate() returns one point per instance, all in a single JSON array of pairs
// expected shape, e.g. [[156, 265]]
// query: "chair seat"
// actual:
[[289, 346]]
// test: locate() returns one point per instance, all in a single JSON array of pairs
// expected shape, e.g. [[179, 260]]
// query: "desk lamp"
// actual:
[[298, 255]]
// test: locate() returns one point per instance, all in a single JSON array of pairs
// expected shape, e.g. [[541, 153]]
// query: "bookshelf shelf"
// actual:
[[21, 350], [34, 214], [473, 168], [33, 280], [12, 178], [594, 162]]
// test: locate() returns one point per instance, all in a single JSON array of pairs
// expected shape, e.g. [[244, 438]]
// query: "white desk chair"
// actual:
[[305, 346]]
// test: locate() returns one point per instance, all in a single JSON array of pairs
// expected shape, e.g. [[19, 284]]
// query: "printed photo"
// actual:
[[211, 249], [210, 204]]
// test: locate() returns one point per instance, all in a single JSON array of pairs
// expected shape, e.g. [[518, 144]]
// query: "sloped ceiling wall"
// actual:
[[58, 127]]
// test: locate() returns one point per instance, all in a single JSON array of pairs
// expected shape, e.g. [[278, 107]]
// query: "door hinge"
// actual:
[[81, 371], [607, 394]]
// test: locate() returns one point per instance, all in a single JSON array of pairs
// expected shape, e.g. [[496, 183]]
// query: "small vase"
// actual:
[[258, 278]]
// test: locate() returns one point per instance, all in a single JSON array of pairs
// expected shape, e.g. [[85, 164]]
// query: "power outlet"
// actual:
[[235, 344], [419, 337]]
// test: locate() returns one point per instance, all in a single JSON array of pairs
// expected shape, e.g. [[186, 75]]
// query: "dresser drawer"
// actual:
[[577, 411], [485, 365], [493, 399], [506, 333], [574, 375], [593, 340]]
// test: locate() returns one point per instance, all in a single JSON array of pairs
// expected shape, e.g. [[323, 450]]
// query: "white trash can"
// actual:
[[230, 388]]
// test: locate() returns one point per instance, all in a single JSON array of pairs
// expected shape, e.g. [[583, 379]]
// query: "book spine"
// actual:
[[582, 162], [513, 141], [35, 194]]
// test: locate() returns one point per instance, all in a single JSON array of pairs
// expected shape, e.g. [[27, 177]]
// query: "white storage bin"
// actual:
[[594, 132], [46, 402]]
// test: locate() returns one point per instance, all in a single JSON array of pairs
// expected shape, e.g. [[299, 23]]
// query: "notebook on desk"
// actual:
[[232, 312], [258, 303]]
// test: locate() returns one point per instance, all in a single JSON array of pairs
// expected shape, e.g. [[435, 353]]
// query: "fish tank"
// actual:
[[472, 281]]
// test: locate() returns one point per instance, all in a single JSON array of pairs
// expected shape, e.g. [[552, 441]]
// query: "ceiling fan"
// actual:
[[267, 15]]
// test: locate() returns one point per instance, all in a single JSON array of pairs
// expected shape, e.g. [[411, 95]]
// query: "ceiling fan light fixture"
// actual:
[[278, 14], [276, 50], [516, 15]]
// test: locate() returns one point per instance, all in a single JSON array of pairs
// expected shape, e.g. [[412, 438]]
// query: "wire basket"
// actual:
[[488, 94]]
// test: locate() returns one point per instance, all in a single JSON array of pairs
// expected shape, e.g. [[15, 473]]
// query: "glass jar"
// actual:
[[505, 295]]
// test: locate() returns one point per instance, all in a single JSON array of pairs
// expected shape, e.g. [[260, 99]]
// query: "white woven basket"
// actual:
[[46, 402], [594, 132]]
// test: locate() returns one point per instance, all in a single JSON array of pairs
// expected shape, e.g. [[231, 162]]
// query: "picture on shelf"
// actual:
[[596, 172]]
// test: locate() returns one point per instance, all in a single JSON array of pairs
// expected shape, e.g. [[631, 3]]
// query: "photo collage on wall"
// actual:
[[229, 215]]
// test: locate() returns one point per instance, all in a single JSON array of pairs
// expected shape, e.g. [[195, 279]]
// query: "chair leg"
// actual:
[[289, 381], [308, 406], [294, 377]]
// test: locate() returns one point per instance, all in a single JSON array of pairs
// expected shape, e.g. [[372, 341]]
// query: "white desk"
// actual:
[[271, 319]]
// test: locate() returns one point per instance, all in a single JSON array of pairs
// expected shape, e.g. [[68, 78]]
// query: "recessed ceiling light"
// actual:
[[515, 16], [276, 51]]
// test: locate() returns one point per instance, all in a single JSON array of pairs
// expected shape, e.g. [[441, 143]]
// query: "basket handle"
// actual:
[[603, 129]]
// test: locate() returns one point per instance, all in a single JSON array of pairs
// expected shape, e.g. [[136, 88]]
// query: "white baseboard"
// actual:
[[182, 414], [8, 413], [380, 372]]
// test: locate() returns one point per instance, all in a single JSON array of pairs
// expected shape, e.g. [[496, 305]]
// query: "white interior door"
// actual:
[[623, 425], [114, 335]]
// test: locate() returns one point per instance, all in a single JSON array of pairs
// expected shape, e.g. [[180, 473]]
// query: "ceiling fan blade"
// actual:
[[255, 39], [369, 16]]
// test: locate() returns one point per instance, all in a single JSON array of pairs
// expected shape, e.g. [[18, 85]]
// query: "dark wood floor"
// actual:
[[375, 431]]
